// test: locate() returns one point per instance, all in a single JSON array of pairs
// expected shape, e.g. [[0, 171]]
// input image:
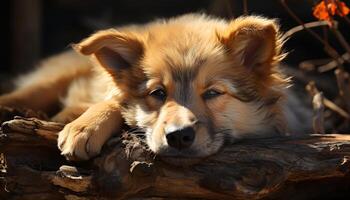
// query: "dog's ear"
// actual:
[[112, 49], [252, 41]]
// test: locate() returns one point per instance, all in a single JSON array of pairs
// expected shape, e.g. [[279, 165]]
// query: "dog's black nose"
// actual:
[[181, 139]]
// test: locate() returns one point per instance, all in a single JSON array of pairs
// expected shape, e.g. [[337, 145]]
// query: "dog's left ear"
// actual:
[[112, 49], [252, 41]]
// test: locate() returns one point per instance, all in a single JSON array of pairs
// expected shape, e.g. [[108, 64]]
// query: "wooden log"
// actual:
[[311, 166], [7, 113]]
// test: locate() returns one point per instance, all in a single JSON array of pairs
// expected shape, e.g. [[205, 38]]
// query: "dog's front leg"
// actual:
[[84, 137]]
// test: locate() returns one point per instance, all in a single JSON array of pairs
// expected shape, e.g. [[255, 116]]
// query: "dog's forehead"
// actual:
[[183, 60]]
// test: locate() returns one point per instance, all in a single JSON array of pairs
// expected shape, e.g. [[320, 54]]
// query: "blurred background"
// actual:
[[36, 29]]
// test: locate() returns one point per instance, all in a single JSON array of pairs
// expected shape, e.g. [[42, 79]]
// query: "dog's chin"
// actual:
[[181, 161]]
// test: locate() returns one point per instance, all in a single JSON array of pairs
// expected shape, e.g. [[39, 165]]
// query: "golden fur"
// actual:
[[219, 77]]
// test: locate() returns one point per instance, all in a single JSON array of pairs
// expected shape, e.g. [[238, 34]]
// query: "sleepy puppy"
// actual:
[[191, 83]]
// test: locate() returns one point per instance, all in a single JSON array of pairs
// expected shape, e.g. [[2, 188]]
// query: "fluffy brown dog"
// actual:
[[190, 83]]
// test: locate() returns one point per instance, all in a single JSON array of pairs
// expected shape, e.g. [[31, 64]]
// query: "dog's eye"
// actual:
[[159, 94], [209, 94]]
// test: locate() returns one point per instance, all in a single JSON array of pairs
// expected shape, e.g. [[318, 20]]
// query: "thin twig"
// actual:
[[318, 107], [296, 18], [335, 108], [333, 64], [296, 29], [229, 9], [341, 39], [344, 86], [310, 65], [312, 89], [318, 119], [346, 19], [340, 11], [325, 34], [245, 7], [335, 30], [328, 49]]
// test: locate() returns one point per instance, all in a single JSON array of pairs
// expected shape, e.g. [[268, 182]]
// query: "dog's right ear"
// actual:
[[112, 49]]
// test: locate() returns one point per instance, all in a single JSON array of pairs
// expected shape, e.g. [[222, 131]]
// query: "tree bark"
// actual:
[[313, 166]]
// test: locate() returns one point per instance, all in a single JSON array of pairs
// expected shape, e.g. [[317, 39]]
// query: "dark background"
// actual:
[[35, 29]]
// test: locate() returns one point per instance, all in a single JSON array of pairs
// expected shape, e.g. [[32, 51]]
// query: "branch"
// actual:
[[302, 27], [327, 47], [318, 120], [253, 169], [312, 90], [344, 86], [333, 64]]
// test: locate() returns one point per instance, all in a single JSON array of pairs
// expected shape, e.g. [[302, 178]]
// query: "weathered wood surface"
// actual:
[[290, 168]]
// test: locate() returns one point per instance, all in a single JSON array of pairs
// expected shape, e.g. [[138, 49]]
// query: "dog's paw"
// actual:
[[79, 142]]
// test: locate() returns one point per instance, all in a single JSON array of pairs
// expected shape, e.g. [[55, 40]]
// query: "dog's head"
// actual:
[[193, 82]]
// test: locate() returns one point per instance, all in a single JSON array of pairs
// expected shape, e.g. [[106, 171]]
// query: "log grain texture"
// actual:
[[307, 167]]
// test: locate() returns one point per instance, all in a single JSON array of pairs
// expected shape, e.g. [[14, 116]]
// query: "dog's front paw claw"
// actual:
[[77, 142]]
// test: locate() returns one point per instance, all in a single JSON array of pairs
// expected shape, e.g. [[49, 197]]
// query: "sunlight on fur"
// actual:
[[192, 83]]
